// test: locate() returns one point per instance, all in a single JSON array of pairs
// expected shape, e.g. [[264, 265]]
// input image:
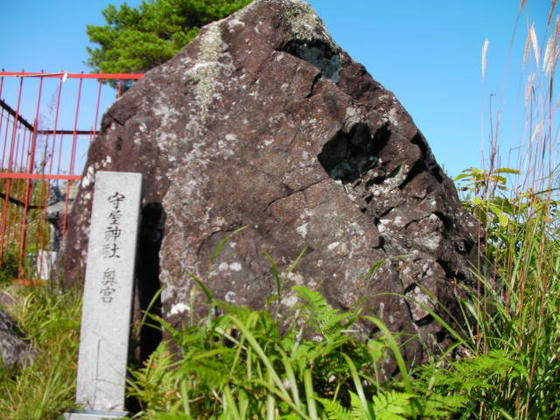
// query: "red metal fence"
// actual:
[[47, 121]]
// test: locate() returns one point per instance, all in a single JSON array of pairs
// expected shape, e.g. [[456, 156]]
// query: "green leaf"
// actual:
[[392, 405], [507, 171], [335, 410]]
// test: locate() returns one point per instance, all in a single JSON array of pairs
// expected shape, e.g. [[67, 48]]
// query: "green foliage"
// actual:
[[10, 265], [240, 365], [512, 220], [511, 367], [138, 39], [46, 388]]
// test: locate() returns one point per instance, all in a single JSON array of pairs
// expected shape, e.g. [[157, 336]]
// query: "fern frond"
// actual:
[[440, 406], [335, 410], [393, 405], [325, 319]]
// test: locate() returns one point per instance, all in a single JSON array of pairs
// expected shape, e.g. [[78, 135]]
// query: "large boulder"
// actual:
[[264, 121]]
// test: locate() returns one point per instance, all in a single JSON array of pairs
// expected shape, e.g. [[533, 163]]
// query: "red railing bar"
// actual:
[[19, 175], [124, 76], [55, 126], [33, 150], [8, 181], [28, 185], [15, 128], [75, 131], [97, 108]]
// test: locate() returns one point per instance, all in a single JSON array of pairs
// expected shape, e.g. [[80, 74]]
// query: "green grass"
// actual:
[[46, 388]]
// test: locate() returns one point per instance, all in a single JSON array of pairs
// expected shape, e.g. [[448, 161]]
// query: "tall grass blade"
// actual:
[[392, 343], [310, 394], [230, 405], [366, 412]]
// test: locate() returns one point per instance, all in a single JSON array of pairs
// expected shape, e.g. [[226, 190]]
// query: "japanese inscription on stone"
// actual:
[[111, 245], [108, 291]]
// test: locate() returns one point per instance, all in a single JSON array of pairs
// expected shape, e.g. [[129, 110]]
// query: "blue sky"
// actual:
[[427, 52]]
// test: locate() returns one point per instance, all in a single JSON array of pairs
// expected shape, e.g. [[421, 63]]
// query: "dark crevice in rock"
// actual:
[[428, 319], [394, 172], [441, 336], [450, 273], [434, 169], [317, 53], [383, 214], [347, 156], [416, 169], [151, 236], [313, 85], [410, 288], [463, 246], [418, 141], [290, 192], [375, 180], [381, 138], [447, 221]]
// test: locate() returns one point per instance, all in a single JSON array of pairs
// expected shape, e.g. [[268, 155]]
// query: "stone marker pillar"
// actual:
[[107, 302]]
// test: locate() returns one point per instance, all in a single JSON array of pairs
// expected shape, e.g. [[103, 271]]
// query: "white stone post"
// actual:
[[108, 289]]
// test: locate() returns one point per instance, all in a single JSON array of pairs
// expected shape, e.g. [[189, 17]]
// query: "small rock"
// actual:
[[15, 350]]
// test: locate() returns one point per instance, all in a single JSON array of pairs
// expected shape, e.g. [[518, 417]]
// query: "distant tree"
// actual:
[[136, 39]]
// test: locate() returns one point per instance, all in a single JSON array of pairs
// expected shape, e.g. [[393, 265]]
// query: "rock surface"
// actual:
[[14, 350], [264, 121]]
